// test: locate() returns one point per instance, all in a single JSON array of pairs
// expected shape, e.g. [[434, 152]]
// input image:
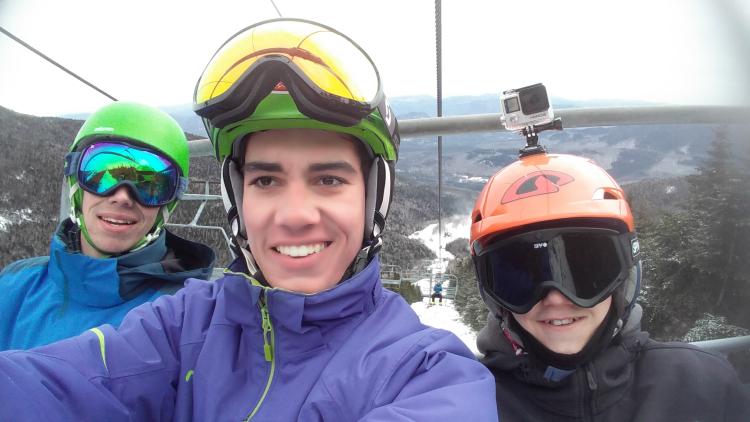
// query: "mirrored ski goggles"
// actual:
[[584, 264], [101, 168], [330, 78]]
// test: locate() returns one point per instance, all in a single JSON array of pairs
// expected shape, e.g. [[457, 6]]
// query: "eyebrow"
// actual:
[[315, 167], [261, 166], [333, 166]]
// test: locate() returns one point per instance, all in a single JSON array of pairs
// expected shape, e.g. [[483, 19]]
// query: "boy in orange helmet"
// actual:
[[558, 262]]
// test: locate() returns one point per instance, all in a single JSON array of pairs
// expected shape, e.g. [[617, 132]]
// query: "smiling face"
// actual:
[[562, 326], [116, 223], [303, 206]]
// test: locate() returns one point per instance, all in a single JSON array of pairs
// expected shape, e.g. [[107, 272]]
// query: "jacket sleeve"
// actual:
[[437, 380], [737, 400], [103, 374]]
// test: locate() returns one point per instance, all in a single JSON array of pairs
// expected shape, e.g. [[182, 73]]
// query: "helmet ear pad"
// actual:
[[231, 195], [232, 185], [379, 192], [624, 297]]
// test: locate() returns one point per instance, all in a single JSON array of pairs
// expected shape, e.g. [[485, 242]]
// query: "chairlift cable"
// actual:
[[42, 55], [277, 9], [438, 64]]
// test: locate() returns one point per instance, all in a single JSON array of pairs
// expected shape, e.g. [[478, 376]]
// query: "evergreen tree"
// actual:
[[669, 295], [468, 302], [720, 216], [697, 261]]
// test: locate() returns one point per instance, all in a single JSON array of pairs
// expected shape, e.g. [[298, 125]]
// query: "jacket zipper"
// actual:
[[588, 405], [268, 348]]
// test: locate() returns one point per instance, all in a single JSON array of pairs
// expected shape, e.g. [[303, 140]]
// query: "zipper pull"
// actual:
[[266, 324], [590, 378]]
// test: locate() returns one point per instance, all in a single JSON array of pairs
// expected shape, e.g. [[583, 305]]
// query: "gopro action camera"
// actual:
[[524, 107]]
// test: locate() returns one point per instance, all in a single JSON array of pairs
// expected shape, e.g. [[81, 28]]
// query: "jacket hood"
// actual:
[[106, 282]]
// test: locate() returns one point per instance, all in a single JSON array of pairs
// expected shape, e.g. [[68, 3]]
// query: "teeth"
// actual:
[[115, 221], [300, 251], [558, 322]]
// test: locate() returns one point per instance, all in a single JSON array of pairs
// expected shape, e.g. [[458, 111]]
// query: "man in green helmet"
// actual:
[[300, 327], [126, 170]]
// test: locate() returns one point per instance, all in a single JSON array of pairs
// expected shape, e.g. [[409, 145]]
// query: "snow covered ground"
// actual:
[[454, 227], [446, 317], [443, 316], [14, 217]]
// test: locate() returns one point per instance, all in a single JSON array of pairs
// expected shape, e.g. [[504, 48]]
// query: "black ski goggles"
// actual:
[[330, 78], [103, 167], [585, 264]]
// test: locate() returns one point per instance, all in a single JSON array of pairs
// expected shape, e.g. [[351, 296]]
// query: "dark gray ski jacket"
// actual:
[[634, 379]]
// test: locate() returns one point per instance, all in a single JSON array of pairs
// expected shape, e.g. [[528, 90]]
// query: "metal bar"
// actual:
[[571, 118], [583, 117], [200, 208], [725, 345], [199, 197], [221, 229]]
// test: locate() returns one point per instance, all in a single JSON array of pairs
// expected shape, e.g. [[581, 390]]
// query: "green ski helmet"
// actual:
[[138, 125], [292, 73]]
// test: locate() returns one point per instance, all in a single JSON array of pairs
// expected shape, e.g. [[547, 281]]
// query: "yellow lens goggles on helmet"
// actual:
[[330, 78]]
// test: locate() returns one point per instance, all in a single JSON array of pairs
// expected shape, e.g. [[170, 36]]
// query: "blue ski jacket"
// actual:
[[45, 299], [234, 350]]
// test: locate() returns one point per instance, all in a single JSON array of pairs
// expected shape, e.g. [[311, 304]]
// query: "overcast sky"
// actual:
[[665, 51]]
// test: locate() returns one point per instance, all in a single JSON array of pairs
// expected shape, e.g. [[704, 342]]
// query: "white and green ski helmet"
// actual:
[[136, 124]]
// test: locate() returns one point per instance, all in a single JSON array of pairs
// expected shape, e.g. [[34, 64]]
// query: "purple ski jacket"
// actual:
[[232, 350]]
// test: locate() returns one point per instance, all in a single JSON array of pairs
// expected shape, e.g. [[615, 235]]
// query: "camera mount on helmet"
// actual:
[[527, 111]]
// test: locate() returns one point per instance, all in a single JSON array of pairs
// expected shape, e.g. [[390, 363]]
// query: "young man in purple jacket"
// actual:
[[299, 328]]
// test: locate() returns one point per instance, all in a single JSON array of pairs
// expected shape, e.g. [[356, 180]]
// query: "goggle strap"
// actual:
[[71, 200], [165, 214], [249, 260], [72, 191], [182, 187], [385, 182], [72, 161]]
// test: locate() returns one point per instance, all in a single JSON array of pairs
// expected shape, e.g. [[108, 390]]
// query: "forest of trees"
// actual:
[[697, 258]]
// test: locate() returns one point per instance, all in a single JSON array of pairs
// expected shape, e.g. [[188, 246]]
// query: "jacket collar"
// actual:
[[348, 301], [106, 282], [611, 370]]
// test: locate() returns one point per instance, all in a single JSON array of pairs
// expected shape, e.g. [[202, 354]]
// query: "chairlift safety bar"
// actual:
[[571, 118]]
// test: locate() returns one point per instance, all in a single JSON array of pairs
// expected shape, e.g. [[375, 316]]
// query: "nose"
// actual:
[[298, 208], [121, 196], [554, 297]]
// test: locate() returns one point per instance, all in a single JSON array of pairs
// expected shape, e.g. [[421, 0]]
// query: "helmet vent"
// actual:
[[477, 217], [607, 193]]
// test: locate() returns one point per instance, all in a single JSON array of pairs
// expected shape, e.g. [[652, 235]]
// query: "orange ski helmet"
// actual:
[[553, 221]]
